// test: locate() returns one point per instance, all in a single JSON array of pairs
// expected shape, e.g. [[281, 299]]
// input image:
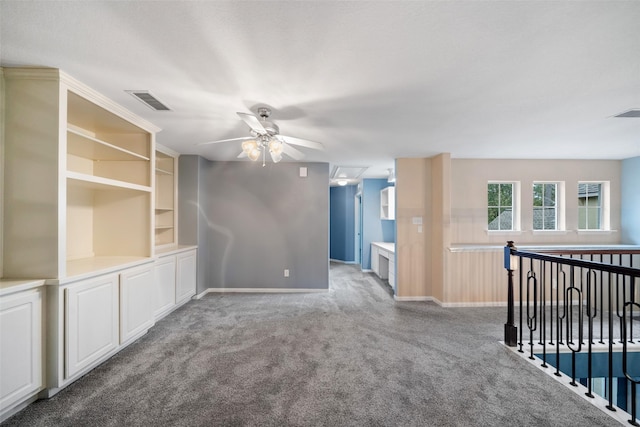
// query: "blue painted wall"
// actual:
[[374, 229], [630, 209], [342, 223]]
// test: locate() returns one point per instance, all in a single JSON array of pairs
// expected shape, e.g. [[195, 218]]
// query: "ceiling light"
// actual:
[[249, 146], [342, 182], [275, 146], [254, 154], [276, 157]]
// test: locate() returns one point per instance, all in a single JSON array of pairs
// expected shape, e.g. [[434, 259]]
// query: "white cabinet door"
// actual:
[[91, 321], [375, 259], [136, 302], [21, 345], [185, 276], [164, 284]]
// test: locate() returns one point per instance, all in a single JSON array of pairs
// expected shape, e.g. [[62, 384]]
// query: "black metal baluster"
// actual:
[[532, 318], [591, 313], [521, 311], [625, 367], [611, 338], [601, 302], [570, 321], [543, 317], [551, 299], [559, 322]]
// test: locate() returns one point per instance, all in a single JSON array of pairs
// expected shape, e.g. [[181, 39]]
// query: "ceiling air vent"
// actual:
[[630, 113], [148, 99]]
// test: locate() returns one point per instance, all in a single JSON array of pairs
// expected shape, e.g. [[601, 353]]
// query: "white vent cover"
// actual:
[[148, 99]]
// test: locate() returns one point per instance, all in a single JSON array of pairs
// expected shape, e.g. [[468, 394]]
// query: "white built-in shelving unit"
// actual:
[[166, 170], [81, 169], [89, 209], [388, 203]]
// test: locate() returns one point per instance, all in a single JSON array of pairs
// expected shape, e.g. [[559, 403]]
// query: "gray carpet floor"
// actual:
[[348, 357]]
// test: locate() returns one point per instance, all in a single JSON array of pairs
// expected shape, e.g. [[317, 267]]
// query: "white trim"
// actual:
[[257, 291], [366, 270], [504, 232], [339, 261], [167, 150], [401, 299], [549, 232], [474, 304], [596, 231]]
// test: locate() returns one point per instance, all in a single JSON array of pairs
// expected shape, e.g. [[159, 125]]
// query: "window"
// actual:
[[591, 198], [500, 206], [545, 206]]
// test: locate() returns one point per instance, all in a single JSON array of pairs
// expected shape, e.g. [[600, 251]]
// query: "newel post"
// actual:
[[510, 264]]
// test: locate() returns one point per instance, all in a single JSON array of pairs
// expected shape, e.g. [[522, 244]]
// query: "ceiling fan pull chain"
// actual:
[[264, 154]]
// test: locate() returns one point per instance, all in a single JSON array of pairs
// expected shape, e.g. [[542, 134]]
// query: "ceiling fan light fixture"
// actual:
[[254, 154], [276, 157], [249, 145], [275, 147]]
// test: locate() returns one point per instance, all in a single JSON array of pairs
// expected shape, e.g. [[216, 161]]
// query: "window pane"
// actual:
[[537, 194], [593, 218], [589, 206], [499, 206], [506, 219], [549, 219], [549, 195], [582, 218], [492, 192], [493, 219], [505, 194], [537, 218]]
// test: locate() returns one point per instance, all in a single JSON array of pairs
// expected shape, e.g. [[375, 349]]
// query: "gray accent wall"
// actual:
[[252, 222], [191, 228]]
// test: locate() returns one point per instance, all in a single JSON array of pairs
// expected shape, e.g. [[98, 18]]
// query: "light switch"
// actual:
[[419, 229], [303, 172], [417, 220]]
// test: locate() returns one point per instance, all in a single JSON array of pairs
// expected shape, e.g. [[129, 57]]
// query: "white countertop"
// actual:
[[387, 246], [9, 286]]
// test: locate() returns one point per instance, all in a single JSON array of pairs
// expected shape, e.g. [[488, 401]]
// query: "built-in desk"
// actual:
[[383, 261]]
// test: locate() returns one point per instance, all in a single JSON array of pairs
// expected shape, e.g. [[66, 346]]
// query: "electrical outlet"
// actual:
[[286, 272]]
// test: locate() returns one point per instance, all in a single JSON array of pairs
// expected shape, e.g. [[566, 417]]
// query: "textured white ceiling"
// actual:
[[372, 81]]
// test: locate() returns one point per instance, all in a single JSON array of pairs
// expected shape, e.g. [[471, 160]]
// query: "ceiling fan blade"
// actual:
[[302, 142], [253, 123], [242, 155], [225, 140], [292, 152]]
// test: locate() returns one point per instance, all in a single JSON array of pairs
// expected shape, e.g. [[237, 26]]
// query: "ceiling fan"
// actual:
[[265, 136]]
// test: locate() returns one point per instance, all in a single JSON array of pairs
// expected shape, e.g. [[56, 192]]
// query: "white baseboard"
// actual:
[[397, 298], [339, 261], [474, 304], [452, 304], [366, 270], [257, 291]]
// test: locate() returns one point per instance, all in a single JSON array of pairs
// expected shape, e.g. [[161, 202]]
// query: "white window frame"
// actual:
[[605, 207], [515, 199], [560, 207]]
